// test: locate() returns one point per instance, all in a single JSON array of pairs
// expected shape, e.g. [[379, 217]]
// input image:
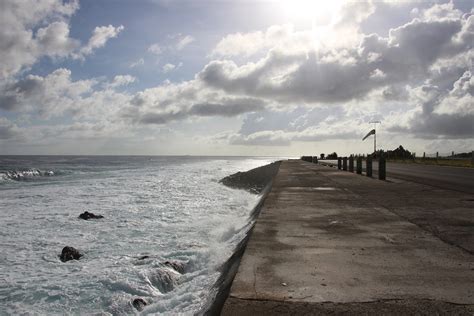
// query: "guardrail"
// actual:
[[347, 164]]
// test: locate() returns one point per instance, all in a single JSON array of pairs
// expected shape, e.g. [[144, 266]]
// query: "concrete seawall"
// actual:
[[328, 241]]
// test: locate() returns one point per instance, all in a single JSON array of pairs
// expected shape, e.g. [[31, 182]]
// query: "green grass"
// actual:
[[466, 163]]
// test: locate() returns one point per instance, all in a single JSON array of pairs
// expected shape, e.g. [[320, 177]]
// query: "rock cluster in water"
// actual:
[[86, 216], [69, 253], [176, 265], [163, 278]]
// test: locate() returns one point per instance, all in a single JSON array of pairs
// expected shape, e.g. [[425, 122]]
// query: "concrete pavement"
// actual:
[[329, 241]]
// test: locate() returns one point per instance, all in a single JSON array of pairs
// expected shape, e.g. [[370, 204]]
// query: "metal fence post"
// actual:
[[339, 163], [359, 165], [368, 166], [382, 168], [351, 163], [344, 163]]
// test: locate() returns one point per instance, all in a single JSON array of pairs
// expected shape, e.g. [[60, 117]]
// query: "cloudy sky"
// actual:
[[241, 77]]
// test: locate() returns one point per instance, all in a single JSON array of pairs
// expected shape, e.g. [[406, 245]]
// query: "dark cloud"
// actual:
[[8, 130], [327, 77], [395, 93], [445, 115], [435, 48], [433, 126], [228, 108], [14, 95], [49, 96]]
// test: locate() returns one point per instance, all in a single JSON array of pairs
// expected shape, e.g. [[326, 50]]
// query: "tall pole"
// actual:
[[375, 135]]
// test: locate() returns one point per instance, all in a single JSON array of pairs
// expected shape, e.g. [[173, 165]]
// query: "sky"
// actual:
[[278, 78]]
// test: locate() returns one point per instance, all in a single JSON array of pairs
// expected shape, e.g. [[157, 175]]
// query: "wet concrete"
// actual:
[[329, 241]]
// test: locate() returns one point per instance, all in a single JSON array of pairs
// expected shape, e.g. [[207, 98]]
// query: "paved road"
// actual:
[[325, 244], [452, 178]]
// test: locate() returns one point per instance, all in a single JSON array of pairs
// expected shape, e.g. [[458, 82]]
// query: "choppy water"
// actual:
[[167, 208]]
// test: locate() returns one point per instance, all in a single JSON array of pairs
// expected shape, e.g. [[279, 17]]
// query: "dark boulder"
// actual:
[[139, 303], [69, 253], [86, 215], [163, 279], [176, 265]]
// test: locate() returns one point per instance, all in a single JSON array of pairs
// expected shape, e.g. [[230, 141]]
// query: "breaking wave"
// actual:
[[169, 242], [28, 174]]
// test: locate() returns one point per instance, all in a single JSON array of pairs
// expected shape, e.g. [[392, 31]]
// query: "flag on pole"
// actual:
[[372, 132]]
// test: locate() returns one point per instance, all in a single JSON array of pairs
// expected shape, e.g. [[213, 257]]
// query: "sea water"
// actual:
[[155, 209]]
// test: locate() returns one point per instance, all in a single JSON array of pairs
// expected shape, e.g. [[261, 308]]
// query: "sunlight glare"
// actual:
[[319, 12]]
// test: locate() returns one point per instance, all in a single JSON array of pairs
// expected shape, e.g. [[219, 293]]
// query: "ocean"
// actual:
[[157, 210]]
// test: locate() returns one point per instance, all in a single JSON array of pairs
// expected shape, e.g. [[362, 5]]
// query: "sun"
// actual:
[[317, 11]]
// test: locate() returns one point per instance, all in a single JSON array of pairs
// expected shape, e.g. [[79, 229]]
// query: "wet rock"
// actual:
[[86, 216], [163, 279], [69, 253], [139, 303], [176, 265]]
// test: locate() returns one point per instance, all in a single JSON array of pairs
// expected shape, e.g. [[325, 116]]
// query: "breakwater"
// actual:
[[258, 180]]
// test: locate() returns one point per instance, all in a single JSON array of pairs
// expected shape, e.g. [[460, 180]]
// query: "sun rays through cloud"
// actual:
[[301, 70]]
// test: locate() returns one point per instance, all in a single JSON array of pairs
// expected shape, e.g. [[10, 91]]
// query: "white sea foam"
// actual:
[[164, 208]]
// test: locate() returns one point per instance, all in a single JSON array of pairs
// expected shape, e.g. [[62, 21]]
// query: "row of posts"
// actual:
[[342, 163], [312, 159]]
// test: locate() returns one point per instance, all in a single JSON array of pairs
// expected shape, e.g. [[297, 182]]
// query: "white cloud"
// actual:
[[54, 39], [171, 102], [48, 96], [285, 85], [122, 80], [100, 36], [57, 94], [322, 75], [170, 67], [377, 74], [184, 41], [342, 32], [376, 70], [261, 138], [248, 44], [441, 11], [20, 46], [30, 30], [155, 49], [137, 63]]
